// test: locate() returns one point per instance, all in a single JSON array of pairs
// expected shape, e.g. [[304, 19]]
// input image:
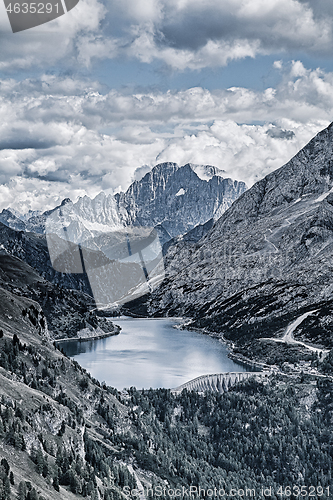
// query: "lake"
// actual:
[[151, 353]]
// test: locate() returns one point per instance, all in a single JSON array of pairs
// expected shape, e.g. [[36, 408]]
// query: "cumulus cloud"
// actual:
[[279, 133], [51, 43], [195, 34], [245, 152], [66, 137], [302, 95], [238, 28], [182, 35]]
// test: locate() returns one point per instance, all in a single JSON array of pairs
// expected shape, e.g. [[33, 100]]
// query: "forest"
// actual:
[[274, 434]]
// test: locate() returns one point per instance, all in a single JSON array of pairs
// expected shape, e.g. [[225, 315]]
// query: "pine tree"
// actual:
[[56, 483], [22, 491], [32, 495], [40, 461], [95, 495], [6, 487], [5, 465]]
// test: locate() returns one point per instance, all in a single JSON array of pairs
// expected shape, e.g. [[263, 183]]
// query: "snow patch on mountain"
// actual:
[[206, 172]]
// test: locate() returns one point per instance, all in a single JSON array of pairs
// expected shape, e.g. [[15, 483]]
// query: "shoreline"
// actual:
[[238, 358], [184, 325], [86, 339], [242, 360]]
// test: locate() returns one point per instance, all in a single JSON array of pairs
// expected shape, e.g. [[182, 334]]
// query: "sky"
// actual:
[[97, 97]]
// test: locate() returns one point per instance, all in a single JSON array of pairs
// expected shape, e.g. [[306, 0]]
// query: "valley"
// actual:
[[248, 267]]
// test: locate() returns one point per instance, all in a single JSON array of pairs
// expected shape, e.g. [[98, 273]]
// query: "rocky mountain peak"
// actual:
[[176, 198], [8, 218], [65, 201], [172, 198], [308, 173], [206, 172]]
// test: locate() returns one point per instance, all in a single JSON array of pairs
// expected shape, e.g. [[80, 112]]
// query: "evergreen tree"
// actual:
[[5, 465], [22, 491], [32, 495], [56, 483]]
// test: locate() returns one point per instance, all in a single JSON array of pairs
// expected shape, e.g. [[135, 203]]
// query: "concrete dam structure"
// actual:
[[219, 382]]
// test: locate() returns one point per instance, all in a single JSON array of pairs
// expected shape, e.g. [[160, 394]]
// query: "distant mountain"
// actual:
[[171, 198], [8, 218], [33, 221], [176, 199], [36, 223], [267, 260], [168, 201]]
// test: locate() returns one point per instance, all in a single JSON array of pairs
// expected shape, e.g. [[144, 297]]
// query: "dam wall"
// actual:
[[218, 382]]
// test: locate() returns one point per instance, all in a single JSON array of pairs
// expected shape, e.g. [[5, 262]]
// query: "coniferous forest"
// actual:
[[273, 435]]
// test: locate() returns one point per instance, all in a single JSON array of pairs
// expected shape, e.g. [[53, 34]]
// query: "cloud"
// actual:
[[195, 34], [278, 24], [182, 35], [302, 95], [65, 137], [279, 133], [51, 43], [140, 172], [245, 152]]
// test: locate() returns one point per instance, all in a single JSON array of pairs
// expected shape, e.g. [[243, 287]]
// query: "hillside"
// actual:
[[32, 249], [47, 406], [266, 261], [66, 311]]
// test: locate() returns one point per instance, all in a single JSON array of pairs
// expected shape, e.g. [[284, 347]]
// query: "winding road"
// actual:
[[288, 335]]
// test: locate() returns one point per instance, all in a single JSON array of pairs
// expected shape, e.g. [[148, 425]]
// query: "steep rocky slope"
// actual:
[[268, 258], [32, 249], [176, 199], [9, 219], [66, 311]]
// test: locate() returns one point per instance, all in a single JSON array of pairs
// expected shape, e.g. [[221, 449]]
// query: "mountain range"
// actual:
[[249, 273], [171, 198]]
